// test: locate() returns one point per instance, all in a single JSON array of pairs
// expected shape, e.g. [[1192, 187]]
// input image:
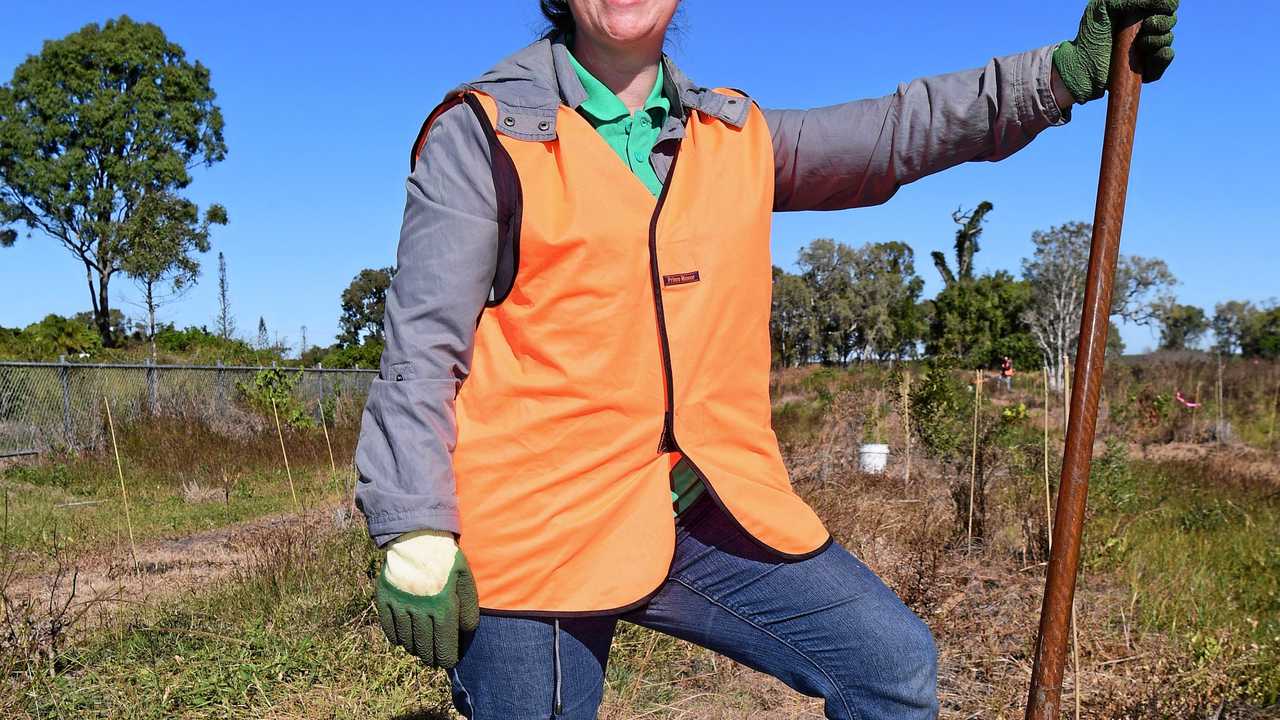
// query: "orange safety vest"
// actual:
[[637, 331]]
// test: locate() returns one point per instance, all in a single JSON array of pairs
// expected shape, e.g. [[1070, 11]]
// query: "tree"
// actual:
[[1056, 273], [226, 322], [885, 294], [793, 325], [159, 241], [1261, 338], [980, 320], [966, 244], [364, 303], [1230, 324], [1181, 326], [828, 266], [88, 127], [1142, 287]]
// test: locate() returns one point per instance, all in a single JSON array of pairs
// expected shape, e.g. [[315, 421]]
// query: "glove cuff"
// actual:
[[1075, 73]]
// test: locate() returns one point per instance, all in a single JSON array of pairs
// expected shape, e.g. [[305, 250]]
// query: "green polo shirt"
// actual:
[[632, 136]]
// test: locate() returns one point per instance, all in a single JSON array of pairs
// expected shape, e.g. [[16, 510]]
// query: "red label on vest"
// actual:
[[680, 278]]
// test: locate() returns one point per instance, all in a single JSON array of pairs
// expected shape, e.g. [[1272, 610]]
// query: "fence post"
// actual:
[[64, 378], [220, 383], [153, 400], [323, 390]]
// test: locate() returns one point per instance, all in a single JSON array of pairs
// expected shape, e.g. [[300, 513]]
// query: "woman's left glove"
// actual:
[[1084, 64], [426, 596]]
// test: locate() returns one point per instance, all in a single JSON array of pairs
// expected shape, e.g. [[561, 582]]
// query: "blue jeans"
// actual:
[[826, 626]]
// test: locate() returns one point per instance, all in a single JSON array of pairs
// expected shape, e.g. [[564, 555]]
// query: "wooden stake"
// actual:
[[1048, 503], [1217, 433], [973, 463], [124, 495], [1075, 656], [333, 468], [1195, 416], [906, 420], [1066, 397], [285, 453], [1275, 403]]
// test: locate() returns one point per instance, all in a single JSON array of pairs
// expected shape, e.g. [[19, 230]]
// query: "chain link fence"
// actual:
[[47, 406]]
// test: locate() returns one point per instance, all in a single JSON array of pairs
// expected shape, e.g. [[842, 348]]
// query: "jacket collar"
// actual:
[[530, 85]]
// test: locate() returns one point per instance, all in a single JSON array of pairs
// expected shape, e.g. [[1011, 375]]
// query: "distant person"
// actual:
[[1006, 373], [576, 374]]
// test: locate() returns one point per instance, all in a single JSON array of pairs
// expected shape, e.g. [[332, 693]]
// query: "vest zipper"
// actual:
[[667, 441]]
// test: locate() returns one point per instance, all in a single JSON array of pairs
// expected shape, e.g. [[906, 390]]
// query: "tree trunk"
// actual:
[[102, 311], [151, 319]]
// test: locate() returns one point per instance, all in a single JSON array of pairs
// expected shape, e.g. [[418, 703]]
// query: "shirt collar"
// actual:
[[579, 89]]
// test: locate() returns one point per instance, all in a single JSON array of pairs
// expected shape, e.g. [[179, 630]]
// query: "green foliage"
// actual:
[[980, 320], [1261, 337], [158, 242], [363, 306], [847, 302], [366, 355], [1112, 484], [942, 410], [88, 128], [271, 390], [49, 338], [793, 324], [1201, 561], [1181, 326], [966, 244], [200, 345]]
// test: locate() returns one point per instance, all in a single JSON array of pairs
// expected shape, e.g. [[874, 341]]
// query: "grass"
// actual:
[[1183, 555], [180, 480], [1199, 554], [293, 636]]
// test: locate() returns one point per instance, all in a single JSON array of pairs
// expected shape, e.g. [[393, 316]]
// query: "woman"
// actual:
[[575, 380]]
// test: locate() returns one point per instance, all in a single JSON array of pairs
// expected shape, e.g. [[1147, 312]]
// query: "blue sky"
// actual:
[[323, 99]]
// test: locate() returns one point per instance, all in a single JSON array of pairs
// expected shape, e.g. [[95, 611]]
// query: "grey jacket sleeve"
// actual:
[[859, 153], [445, 265]]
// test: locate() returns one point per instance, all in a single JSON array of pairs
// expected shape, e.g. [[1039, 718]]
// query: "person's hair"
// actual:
[[558, 15]]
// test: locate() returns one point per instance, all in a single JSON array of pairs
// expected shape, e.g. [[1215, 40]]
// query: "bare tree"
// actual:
[[226, 321], [1056, 272]]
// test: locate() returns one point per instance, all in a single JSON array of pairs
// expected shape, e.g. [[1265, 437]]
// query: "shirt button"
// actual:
[[644, 122]]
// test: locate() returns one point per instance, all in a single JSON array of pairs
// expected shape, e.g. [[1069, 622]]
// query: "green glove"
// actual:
[[428, 625], [1084, 64]]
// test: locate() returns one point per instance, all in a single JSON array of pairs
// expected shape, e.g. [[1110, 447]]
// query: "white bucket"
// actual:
[[872, 458]]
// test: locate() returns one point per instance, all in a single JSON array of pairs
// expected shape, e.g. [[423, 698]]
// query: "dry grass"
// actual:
[[280, 626]]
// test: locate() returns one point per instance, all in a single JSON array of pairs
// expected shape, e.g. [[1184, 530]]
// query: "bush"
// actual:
[[270, 392]]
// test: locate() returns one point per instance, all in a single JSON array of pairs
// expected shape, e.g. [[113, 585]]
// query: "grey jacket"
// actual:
[[855, 154]]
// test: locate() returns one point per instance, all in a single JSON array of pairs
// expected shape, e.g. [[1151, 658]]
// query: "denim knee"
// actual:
[[918, 665]]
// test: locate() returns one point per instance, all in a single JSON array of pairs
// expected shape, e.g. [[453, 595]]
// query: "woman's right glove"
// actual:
[[1084, 64], [426, 596]]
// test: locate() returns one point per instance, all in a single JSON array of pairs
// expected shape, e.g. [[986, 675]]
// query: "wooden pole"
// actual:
[[333, 468], [1125, 86], [124, 495], [973, 463], [1048, 501], [285, 453], [906, 420], [1195, 416], [1217, 433], [1275, 403]]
